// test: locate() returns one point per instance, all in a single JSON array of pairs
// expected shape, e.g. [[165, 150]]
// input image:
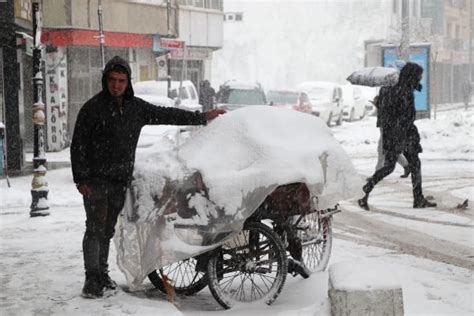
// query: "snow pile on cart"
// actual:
[[191, 191]]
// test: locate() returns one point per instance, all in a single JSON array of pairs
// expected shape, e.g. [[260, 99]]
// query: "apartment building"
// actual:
[[72, 58]]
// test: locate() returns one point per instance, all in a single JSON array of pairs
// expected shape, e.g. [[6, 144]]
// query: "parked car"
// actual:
[[234, 94], [291, 99], [187, 98], [326, 100], [354, 103], [369, 94], [158, 100]]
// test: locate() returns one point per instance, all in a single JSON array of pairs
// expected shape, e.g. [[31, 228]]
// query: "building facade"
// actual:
[[447, 26], [72, 57], [16, 93]]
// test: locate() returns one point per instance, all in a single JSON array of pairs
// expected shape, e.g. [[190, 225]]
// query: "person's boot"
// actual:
[[93, 287], [297, 267], [406, 172], [422, 203], [107, 282], [363, 203]]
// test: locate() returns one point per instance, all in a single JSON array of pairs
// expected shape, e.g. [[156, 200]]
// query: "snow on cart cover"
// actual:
[[191, 191]]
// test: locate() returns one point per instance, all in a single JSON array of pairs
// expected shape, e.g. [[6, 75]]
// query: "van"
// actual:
[[187, 98]]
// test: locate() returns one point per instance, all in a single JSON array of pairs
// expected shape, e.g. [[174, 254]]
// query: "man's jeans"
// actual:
[[102, 207]]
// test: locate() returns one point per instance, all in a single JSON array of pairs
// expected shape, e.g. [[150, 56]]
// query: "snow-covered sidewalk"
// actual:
[[41, 268]]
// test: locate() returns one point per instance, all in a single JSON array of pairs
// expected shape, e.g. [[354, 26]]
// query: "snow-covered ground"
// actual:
[[428, 251]]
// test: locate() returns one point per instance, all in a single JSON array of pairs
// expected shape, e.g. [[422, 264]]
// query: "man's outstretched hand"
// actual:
[[84, 189], [212, 114]]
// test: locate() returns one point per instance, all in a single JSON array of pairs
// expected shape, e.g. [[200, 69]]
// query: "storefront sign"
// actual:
[[169, 43], [56, 100], [190, 53]]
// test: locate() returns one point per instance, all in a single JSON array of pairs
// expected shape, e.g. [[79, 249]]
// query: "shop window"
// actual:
[[216, 4], [144, 73]]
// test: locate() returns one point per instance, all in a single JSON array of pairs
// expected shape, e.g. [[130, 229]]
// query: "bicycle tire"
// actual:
[[255, 265], [186, 280]]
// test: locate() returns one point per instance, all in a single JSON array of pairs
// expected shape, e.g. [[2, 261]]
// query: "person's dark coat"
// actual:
[[105, 138], [397, 111], [206, 96]]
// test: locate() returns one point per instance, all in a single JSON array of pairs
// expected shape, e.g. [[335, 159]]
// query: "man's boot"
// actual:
[[363, 202], [406, 172], [93, 287], [296, 267], [107, 282], [422, 203]]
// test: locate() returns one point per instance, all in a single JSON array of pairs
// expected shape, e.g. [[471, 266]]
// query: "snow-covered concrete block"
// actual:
[[364, 288]]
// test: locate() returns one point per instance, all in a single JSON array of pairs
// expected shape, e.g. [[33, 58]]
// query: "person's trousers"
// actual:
[[102, 207], [402, 161], [414, 164]]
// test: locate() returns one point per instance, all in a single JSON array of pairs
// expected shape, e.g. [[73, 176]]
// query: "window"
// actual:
[[199, 3], [238, 16], [216, 4], [230, 17], [192, 93], [183, 93], [395, 6], [415, 8]]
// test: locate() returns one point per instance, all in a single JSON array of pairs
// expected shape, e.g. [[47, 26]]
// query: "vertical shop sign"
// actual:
[[56, 100]]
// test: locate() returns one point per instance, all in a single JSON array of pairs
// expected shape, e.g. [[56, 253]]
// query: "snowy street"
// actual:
[[430, 251]]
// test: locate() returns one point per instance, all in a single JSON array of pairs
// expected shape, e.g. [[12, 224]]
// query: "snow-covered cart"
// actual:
[[235, 206]]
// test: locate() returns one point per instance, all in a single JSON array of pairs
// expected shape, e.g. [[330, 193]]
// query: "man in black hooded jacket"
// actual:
[[102, 157], [400, 134]]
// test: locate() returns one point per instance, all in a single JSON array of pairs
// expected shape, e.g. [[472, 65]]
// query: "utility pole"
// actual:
[[471, 27], [405, 40], [168, 59], [101, 34], [39, 185]]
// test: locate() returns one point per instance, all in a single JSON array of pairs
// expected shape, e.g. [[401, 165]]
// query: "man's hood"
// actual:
[[117, 61], [409, 75]]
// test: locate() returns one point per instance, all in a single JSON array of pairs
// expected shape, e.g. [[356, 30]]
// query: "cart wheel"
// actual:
[[186, 280], [250, 267], [316, 238]]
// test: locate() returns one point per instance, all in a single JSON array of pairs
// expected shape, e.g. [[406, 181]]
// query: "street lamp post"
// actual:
[[101, 34], [405, 40], [39, 184]]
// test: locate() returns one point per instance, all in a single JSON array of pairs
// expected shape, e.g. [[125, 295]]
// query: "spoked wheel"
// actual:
[[250, 267], [185, 279], [316, 237]]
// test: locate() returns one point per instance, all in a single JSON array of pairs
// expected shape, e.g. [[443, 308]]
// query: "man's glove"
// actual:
[[212, 114], [84, 189]]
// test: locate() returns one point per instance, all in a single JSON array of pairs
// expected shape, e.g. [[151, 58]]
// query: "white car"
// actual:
[[158, 100], [187, 99], [234, 95], [326, 100], [354, 103]]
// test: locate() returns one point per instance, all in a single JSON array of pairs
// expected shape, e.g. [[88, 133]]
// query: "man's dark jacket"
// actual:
[[105, 138], [397, 112]]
